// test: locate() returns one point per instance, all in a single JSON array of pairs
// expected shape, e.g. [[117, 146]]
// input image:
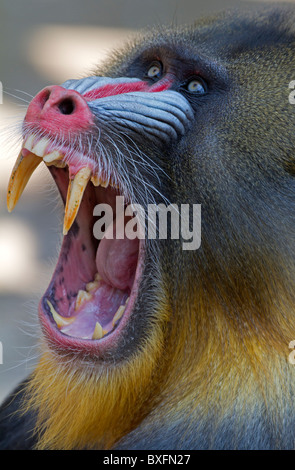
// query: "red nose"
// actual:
[[56, 109]]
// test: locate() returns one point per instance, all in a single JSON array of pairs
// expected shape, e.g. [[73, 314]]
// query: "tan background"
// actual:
[[45, 42]]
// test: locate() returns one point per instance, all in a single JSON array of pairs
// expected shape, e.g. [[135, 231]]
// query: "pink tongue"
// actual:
[[116, 260]]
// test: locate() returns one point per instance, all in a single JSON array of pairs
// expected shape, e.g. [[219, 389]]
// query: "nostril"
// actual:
[[44, 97], [66, 106]]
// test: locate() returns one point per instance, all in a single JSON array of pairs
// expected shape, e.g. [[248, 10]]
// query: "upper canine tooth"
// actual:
[[59, 320], [52, 156], [20, 175], [76, 189], [82, 297], [40, 147]]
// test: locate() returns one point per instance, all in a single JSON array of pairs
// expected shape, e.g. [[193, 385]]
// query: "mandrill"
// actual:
[[145, 344]]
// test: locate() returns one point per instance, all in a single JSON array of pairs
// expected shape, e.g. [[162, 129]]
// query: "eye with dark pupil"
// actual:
[[195, 86], [155, 71]]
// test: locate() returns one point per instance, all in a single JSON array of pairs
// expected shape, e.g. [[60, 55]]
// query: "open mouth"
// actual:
[[95, 283]]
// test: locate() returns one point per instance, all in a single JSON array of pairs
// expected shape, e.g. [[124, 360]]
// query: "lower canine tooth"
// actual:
[[118, 314], [59, 320], [98, 331], [22, 171], [82, 297]]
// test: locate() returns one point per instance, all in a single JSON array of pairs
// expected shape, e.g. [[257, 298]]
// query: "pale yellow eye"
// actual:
[[195, 86], [154, 71]]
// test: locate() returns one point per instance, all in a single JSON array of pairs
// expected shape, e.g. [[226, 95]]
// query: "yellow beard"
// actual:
[[90, 406]]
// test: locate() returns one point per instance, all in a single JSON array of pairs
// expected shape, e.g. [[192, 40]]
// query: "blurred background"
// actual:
[[45, 42]]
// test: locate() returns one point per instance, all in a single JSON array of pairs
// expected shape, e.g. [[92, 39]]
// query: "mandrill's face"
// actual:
[[105, 140]]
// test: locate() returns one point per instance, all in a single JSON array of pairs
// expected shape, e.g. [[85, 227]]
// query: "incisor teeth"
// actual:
[[22, 171], [99, 182], [57, 163], [118, 314], [104, 184], [40, 147], [52, 157], [76, 190], [28, 144], [59, 320], [98, 331], [95, 180], [82, 297]]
